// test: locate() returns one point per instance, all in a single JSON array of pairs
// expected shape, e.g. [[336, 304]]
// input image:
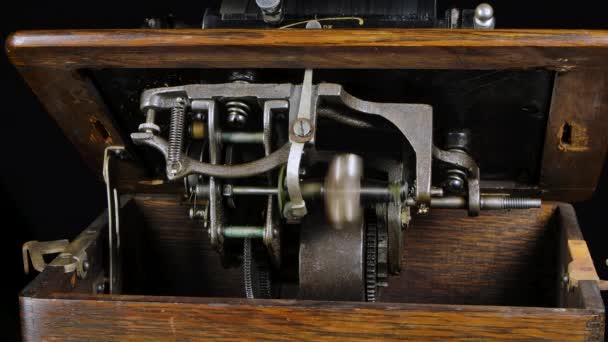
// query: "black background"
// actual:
[[46, 191]]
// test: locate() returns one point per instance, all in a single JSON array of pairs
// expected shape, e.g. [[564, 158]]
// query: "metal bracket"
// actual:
[[466, 162], [113, 218], [414, 121], [216, 209], [272, 232]]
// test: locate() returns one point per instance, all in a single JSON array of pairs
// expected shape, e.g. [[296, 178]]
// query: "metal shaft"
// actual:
[[150, 116], [386, 194], [487, 202], [242, 137], [254, 190], [243, 232]]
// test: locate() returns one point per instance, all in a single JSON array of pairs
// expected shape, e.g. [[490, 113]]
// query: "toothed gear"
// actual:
[[371, 259], [381, 245], [256, 271]]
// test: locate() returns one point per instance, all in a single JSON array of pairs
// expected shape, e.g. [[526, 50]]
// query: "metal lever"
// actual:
[[301, 132]]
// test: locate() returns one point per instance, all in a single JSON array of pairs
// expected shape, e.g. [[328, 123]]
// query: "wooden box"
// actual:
[[504, 275]]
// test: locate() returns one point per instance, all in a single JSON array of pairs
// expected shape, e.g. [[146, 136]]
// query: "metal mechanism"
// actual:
[[348, 206]]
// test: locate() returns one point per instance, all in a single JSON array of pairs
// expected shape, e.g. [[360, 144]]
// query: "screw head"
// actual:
[[175, 168], [455, 184], [405, 216], [227, 190], [302, 128], [86, 265], [313, 25], [423, 209], [236, 120]]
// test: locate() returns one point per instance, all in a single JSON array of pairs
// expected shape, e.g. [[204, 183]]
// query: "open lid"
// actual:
[[56, 64]]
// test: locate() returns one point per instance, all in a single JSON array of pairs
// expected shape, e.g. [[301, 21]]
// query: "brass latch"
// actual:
[[581, 267], [604, 283], [70, 262], [37, 250]]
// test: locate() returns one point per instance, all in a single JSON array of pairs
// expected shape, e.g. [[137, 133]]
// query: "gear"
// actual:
[[382, 245], [256, 271], [371, 260]]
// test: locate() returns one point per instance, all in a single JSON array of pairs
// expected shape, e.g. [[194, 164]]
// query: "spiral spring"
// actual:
[[176, 136], [237, 111]]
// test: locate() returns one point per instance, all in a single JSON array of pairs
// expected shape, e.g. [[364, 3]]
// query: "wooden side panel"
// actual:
[[106, 318], [180, 259], [74, 103], [580, 288], [576, 140], [498, 258], [377, 48]]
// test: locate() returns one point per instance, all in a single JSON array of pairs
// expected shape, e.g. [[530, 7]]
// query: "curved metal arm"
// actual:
[[190, 166], [414, 121]]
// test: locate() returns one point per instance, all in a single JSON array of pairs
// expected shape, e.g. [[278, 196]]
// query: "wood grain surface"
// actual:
[[377, 48], [576, 141], [498, 258], [103, 318], [185, 263]]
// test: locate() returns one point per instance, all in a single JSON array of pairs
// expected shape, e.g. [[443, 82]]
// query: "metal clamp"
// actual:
[[464, 161]]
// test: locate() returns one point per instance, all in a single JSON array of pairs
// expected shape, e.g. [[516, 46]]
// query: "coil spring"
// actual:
[[237, 111], [176, 135]]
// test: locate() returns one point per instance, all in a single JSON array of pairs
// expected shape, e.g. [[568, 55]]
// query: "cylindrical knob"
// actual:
[[268, 6], [484, 17], [343, 191], [271, 10]]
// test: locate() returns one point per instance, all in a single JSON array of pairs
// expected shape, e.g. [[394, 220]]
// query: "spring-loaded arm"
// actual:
[[190, 166]]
